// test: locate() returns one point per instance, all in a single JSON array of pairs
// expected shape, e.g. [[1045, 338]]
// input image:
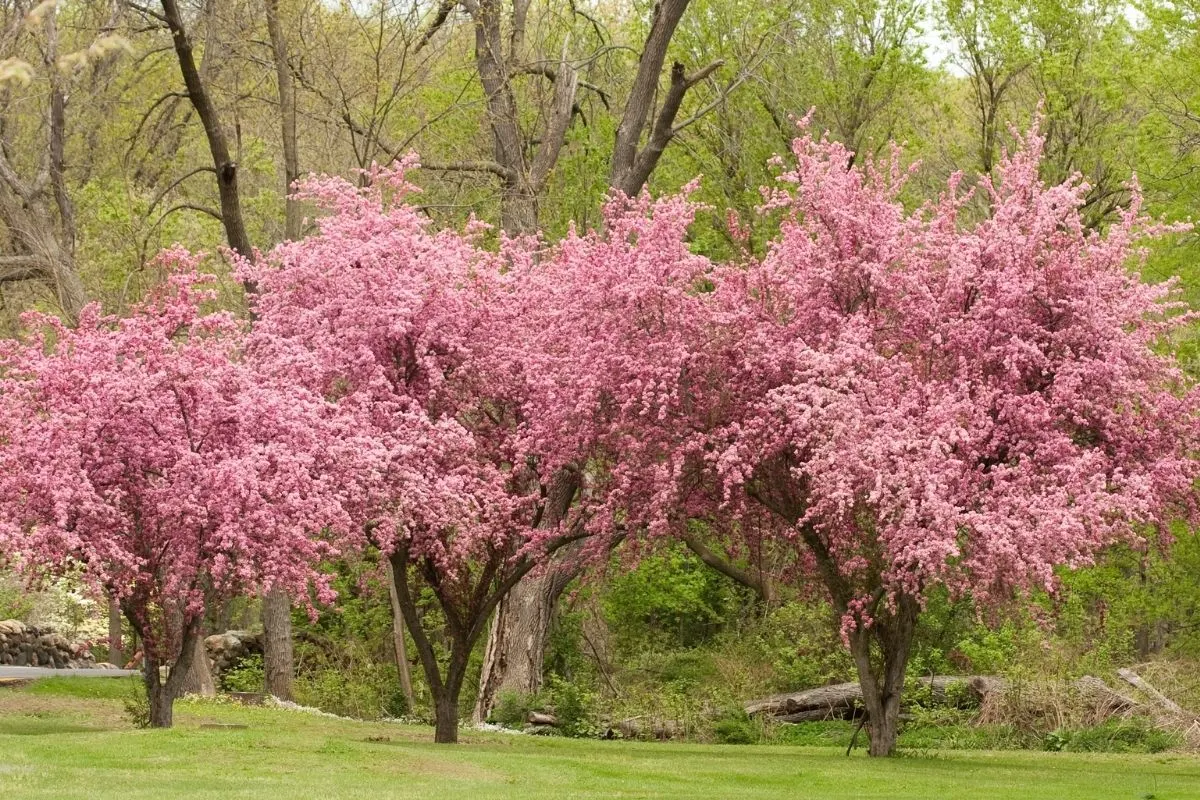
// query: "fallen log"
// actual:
[[1106, 699], [839, 700], [819, 714], [844, 700], [1138, 682]]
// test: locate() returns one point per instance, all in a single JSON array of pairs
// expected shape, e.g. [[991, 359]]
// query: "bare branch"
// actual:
[[467, 166], [439, 19]]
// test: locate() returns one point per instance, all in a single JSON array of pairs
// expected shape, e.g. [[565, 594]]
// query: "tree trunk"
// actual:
[[445, 708], [518, 210], [160, 695], [277, 644], [516, 647], [287, 117], [445, 690], [398, 643], [224, 165], [881, 674], [197, 674], [162, 702], [116, 655]]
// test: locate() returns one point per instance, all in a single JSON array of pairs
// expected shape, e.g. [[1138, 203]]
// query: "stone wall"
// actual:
[[24, 645], [225, 650]]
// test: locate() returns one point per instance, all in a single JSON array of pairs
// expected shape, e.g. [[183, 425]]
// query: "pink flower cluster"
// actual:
[[916, 398], [148, 453], [905, 398]]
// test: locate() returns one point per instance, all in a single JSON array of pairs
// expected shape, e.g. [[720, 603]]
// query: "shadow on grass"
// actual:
[[33, 726]]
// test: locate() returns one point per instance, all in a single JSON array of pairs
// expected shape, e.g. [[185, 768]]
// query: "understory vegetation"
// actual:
[[675, 650]]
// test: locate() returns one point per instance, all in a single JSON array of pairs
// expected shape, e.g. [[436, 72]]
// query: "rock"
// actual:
[[12, 626], [539, 718]]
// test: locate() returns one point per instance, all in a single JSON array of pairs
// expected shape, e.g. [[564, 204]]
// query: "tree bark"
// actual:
[[516, 647], [287, 118], [115, 653], [445, 689], [196, 675], [881, 674], [162, 695], [226, 168], [277, 644], [399, 646], [446, 714]]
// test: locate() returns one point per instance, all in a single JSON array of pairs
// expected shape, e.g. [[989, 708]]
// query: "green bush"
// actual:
[[1113, 736], [736, 727], [573, 707], [245, 676], [350, 682], [137, 704], [511, 709]]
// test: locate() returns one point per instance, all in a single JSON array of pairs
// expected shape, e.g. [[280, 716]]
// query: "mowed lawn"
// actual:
[[68, 738]]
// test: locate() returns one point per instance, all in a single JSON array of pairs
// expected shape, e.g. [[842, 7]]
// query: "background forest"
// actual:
[[524, 115]]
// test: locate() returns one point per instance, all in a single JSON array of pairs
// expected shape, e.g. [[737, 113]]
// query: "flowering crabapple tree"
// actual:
[[909, 399], [146, 455], [410, 333]]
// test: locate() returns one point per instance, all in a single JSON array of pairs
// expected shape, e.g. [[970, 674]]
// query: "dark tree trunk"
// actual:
[[881, 655], [162, 703], [445, 689], [223, 164], [162, 695], [277, 644], [446, 712], [516, 647]]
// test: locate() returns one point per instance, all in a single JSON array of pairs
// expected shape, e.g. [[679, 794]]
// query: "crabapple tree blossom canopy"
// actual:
[[912, 399], [409, 333], [147, 455]]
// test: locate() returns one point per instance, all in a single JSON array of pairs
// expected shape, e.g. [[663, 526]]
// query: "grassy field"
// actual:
[[68, 738]]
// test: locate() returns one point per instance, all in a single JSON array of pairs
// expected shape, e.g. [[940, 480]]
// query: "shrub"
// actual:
[[574, 707], [1114, 736], [245, 676], [511, 709], [736, 727], [137, 704]]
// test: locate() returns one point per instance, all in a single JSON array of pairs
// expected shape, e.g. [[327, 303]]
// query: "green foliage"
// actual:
[[799, 643], [1114, 736], [15, 602], [669, 599], [512, 709], [245, 676], [345, 661], [352, 685], [573, 707], [137, 704], [736, 727]]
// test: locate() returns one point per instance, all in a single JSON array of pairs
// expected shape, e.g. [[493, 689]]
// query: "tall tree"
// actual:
[[991, 40], [430, 397], [916, 400], [36, 207], [147, 454]]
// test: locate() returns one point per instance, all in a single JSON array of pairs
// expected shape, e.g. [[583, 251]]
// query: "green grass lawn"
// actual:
[[68, 738]]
